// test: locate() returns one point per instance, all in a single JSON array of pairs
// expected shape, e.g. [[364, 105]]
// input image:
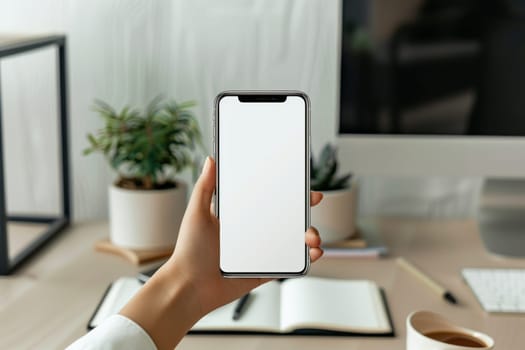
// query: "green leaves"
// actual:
[[150, 147], [323, 173]]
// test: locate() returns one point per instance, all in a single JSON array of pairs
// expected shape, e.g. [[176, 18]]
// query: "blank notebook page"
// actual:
[[342, 305], [261, 312]]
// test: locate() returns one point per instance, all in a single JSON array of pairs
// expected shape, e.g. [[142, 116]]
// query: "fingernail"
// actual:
[[206, 165]]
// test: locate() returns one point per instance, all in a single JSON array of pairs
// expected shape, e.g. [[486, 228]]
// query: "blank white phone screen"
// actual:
[[262, 185]]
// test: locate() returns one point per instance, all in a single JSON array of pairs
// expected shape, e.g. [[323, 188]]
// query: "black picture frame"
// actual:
[[56, 224]]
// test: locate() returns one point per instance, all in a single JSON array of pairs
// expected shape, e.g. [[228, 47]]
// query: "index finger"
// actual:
[[315, 198]]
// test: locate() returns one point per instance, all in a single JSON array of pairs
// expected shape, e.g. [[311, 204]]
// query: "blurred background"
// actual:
[[127, 52]]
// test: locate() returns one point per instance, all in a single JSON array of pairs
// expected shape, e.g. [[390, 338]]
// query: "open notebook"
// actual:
[[308, 305]]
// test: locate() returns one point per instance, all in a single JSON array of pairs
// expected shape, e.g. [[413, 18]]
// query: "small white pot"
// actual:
[[335, 216], [146, 219]]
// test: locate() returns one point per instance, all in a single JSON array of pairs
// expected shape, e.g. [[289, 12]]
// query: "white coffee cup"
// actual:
[[420, 324]]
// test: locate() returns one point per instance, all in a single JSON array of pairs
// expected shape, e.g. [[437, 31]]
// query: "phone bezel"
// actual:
[[268, 94]]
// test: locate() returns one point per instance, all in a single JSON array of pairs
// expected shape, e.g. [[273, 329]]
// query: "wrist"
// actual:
[[166, 308], [179, 293]]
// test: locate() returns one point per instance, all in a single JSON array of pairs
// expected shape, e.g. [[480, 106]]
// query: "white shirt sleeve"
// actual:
[[115, 333]]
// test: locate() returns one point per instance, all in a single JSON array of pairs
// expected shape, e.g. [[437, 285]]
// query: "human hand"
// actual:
[[196, 255], [190, 284]]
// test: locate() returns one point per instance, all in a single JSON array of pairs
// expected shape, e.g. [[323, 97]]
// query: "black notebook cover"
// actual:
[[301, 332]]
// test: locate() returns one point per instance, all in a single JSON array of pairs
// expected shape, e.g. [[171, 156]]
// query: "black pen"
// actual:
[[240, 307]]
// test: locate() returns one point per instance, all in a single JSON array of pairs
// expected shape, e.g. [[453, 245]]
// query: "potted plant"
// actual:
[[335, 215], [146, 149]]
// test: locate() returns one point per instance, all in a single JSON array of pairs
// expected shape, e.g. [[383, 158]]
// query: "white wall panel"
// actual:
[[30, 133]]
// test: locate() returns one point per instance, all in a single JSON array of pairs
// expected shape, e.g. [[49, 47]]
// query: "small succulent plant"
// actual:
[[323, 171]]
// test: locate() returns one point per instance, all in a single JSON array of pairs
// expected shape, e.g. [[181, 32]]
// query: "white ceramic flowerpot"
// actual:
[[335, 216], [146, 219]]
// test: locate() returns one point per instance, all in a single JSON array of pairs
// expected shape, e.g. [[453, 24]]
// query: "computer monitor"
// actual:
[[432, 88]]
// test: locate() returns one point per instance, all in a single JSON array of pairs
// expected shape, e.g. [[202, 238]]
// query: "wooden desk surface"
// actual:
[[47, 304]]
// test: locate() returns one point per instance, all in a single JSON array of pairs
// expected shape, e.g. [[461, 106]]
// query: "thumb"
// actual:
[[204, 187]]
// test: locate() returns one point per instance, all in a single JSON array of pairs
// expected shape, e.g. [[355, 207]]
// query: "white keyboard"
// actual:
[[498, 290]]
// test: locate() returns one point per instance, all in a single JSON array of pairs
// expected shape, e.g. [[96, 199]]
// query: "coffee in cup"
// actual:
[[429, 331], [456, 338]]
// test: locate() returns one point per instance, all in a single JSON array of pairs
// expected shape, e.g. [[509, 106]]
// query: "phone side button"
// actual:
[[213, 133]]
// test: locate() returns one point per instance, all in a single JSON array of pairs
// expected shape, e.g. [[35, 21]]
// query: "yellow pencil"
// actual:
[[409, 267]]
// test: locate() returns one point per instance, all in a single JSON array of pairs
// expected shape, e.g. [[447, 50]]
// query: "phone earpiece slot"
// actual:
[[262, 98]]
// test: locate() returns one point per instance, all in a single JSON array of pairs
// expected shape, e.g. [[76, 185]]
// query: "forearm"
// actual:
[[166, 308]]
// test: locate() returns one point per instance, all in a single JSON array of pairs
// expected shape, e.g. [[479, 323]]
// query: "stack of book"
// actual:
[[365, 243]]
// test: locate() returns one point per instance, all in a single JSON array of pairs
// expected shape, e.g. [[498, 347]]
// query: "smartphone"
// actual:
[[262, 198]]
